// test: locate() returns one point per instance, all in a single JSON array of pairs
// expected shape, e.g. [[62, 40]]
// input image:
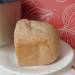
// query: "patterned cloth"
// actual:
[[60, 13]]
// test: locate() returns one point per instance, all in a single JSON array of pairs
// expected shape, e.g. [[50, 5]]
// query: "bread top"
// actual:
[[34, 32]]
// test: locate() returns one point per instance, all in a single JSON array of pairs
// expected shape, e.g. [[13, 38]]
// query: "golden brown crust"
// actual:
[[36, 43]]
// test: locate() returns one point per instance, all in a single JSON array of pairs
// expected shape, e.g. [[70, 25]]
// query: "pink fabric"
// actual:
[[60, 13]]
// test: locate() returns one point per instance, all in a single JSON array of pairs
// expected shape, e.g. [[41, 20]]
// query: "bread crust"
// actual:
[[36, 43]]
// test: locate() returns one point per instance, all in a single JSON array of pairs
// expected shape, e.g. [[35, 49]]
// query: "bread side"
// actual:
[[36, 43]]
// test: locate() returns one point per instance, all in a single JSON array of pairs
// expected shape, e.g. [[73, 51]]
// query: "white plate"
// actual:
[[8, 61]]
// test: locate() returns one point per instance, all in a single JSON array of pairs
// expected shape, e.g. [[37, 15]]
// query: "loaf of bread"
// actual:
[[36, 43]]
